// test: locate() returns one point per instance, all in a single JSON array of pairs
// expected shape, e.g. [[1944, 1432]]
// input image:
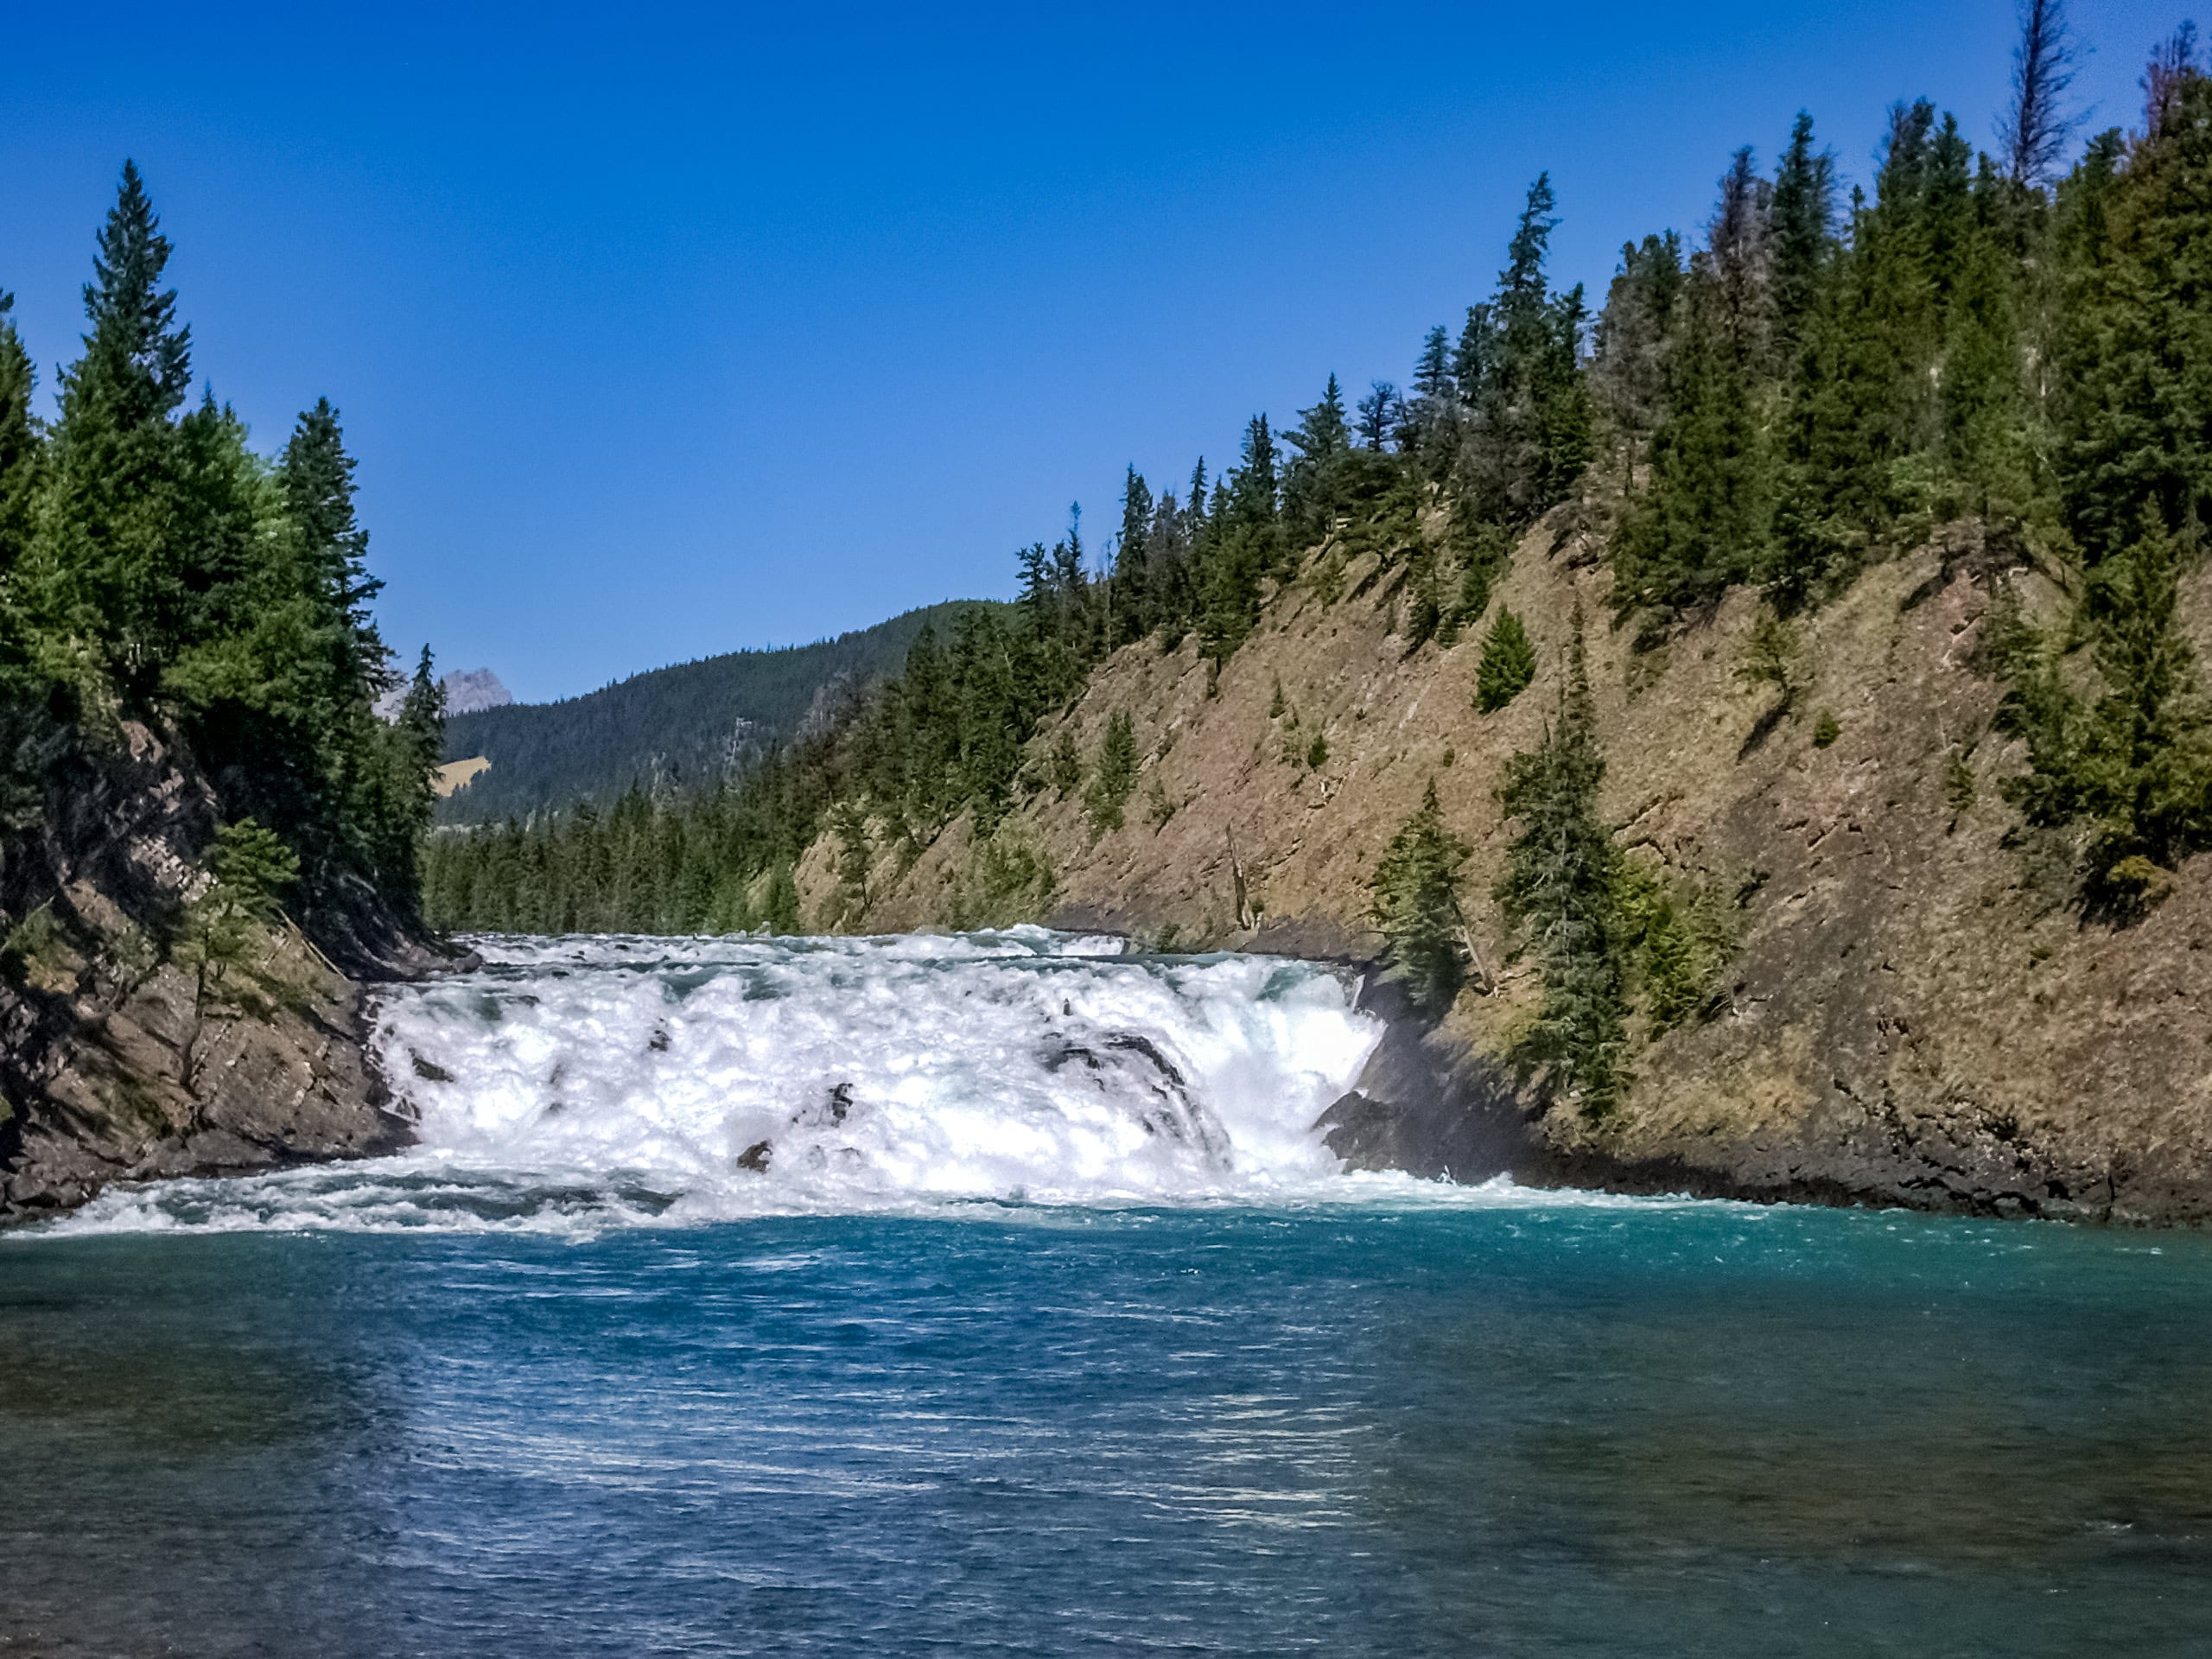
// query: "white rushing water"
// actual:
[[577, 1083]]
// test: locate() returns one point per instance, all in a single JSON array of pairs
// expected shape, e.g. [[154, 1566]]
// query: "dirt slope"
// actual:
[[1915, 1014]]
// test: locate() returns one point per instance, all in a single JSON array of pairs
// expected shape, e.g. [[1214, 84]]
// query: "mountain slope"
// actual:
[[686, 724], [1914, 1012]]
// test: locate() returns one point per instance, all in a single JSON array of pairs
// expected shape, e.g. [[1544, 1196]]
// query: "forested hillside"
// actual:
[[189, 762], [688, 729], [155, 568], [1708, 525], [1812, 385]]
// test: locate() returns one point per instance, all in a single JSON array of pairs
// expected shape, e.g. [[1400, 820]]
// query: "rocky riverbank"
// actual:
[[115, 1063]]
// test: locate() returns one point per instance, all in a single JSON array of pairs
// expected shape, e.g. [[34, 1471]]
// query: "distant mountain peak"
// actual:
[[468, 689], [467, 692]]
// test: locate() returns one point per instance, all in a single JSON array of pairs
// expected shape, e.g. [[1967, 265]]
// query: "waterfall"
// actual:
[[582, 1083]]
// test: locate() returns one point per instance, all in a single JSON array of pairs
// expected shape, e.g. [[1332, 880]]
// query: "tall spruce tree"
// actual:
[[1559, 897], [1416, 907], [317, 478], [1113, 774], [1508, 664], [1701, 523], [2033, 132], [2136, 399], [1380, 413], [1132, 607], [1630, 345], [104, 577], [1802, 213], [2130, 763], [1528, 426], [21, 454]]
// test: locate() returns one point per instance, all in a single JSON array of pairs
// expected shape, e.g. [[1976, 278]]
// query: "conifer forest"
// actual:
[[158, 571]]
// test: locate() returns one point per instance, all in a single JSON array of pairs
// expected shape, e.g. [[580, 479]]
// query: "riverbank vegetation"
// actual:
[[155, 568]]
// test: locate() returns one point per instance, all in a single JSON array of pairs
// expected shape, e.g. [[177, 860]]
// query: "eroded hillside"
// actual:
[[1915, 1009]]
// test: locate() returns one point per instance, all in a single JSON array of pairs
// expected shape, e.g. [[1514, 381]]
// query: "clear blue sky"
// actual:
[[662, 331]]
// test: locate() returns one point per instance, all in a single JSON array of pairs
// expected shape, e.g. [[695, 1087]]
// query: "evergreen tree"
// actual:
[[1132, 606], [1113, 775], [317, 478], [2034, 129], [1416, 907], [2136, 411], [1380, 413], [1701, 522], [990, 738], [1867, 405], [1802, 216], [1628, 360], [105, 574], [1323, 439], [1243, 545], [1558, 893], [778, 908], [1529, 431], [400, 817], [1508, 664], [21, 456], [1432, 414], [848, 824], [1739, 249], [2131, 764]]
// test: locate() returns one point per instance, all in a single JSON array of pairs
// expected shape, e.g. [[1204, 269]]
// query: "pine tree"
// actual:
[[779, 907], [1323, 439], [1241, 545], [2034, 129], [1802, 216], [1508, 664], [1701, 523], [104, 575], [2132, 763], [1558, 894], [1416, 907], [848, 824], [317, 478], [1630, 351], [1865, 426], [1739, 247], [990, 716], [1529, 426], [1132, 605], [21, 452], [1380, 413], [400, 815], [1113, 775], [2136, 407]]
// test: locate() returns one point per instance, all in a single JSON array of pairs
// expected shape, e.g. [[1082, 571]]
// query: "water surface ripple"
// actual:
[[567, 1383]]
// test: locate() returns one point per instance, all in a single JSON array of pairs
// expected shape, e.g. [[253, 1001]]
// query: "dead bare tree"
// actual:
[[2038, 123], [2171, 67]]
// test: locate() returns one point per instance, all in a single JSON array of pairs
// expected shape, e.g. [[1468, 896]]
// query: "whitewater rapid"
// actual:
[[575, 1084]]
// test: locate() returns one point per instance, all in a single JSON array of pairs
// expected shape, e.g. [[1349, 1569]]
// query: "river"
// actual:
[[992, 1295]]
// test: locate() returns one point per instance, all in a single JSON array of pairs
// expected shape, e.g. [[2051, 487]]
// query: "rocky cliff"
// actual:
[[117, 1063], [1914, 1011]]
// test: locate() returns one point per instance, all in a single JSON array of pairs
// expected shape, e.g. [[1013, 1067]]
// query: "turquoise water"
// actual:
[[1509, 1426]]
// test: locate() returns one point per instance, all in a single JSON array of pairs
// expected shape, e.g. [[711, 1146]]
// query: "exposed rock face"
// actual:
[[1918, 1014], [111, 1065], [467, 692]]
